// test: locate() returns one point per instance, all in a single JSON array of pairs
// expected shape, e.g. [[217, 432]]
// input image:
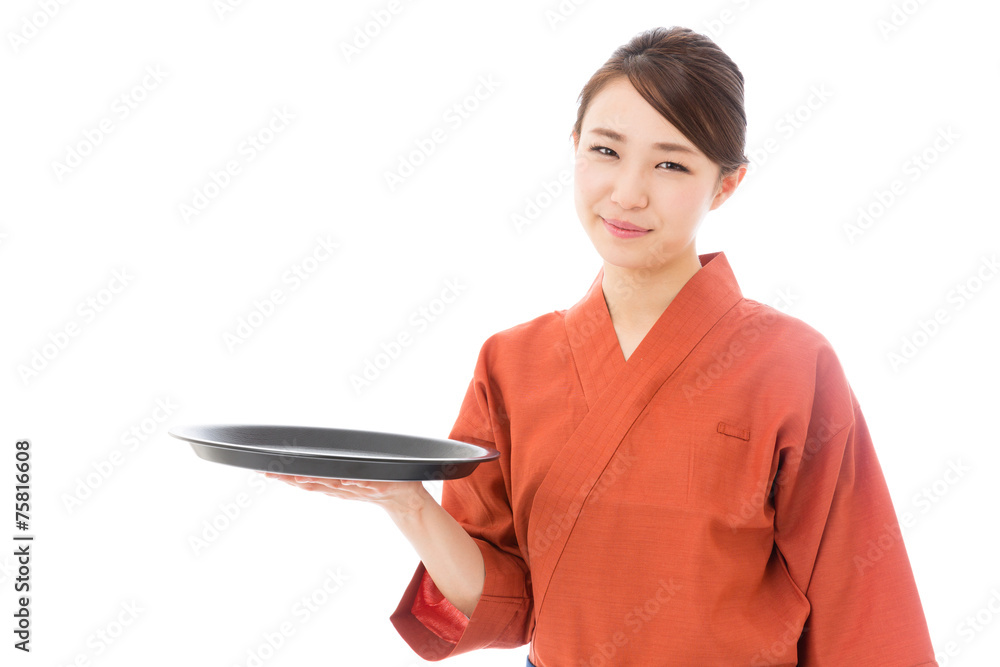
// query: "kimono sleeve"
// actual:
[[481, 504], [837, 530]]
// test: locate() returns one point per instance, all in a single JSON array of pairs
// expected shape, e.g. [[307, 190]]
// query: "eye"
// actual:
[[672, 166], [597, 148], [676, 166]]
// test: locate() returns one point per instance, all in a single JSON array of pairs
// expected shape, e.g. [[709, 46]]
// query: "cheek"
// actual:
[[684, 198], [587, 180]]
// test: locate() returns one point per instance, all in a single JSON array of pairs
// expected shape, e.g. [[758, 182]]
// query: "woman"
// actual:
[[686, 477]]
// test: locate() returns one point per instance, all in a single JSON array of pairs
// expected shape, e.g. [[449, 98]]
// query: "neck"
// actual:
[[637, 297]]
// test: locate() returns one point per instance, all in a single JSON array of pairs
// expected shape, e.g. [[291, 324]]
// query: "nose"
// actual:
[[629, 190]]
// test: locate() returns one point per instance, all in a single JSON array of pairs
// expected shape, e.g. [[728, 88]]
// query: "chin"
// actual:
[[636, 258], [652, 255]]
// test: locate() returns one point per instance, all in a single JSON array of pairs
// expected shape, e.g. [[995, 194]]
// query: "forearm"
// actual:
[[449, 554]]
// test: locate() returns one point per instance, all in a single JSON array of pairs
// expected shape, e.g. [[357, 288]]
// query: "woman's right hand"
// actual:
[[394, 497]]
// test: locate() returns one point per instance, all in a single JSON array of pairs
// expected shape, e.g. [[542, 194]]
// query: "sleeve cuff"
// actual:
[[438, 615], [501, 618]]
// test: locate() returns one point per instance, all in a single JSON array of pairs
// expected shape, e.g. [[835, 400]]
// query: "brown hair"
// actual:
[[690, 81]]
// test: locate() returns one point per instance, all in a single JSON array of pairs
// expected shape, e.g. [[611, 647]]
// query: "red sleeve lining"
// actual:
[[440, 616]]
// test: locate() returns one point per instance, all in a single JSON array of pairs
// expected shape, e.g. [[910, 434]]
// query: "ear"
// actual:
[[727, 186]]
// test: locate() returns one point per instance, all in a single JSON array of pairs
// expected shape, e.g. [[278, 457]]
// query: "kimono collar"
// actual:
[[701, 302]]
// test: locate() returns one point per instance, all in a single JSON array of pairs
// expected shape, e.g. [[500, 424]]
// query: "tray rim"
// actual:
[[489, 453]]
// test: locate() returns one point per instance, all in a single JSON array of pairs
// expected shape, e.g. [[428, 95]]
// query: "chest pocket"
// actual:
[[697, 461], [734, 431]]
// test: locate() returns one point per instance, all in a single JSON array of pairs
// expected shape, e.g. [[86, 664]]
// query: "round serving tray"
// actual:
[[312, 451]]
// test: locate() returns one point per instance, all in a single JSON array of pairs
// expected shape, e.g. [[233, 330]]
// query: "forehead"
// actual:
[[620, 107]]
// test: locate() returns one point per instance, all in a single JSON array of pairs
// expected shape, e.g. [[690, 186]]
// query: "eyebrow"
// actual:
[[662, 145]]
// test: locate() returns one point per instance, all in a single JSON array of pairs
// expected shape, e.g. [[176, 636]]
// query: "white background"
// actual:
[[161, 337]]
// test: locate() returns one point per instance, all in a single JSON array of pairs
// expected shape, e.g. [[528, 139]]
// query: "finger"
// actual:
[[325, 485], [333, 483], [287, 479], [322, 488]]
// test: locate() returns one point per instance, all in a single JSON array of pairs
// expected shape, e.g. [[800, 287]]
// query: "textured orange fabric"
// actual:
[[713, 500], [433, 609]]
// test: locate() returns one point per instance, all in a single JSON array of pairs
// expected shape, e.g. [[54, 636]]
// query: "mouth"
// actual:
[[624, 224], [622, 232]]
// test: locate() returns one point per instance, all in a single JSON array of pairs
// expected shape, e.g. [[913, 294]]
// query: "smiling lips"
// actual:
[[623, 229], [622, 224]]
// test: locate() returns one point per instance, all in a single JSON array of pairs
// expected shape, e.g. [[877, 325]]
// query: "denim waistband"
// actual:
[[530, 664]]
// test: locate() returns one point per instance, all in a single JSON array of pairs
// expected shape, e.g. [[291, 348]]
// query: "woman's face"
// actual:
[[621, 176]]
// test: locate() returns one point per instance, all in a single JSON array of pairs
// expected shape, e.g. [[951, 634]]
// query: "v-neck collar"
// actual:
[[710, 292]]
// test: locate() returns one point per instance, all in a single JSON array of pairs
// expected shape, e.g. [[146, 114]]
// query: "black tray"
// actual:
[[335, 453]]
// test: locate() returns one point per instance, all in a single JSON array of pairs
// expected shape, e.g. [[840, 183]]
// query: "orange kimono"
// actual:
[[713, 500]]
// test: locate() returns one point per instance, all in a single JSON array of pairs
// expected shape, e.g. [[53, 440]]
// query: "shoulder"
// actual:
[[792, 348], [525, 341], [777, 329], [508, 358]]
